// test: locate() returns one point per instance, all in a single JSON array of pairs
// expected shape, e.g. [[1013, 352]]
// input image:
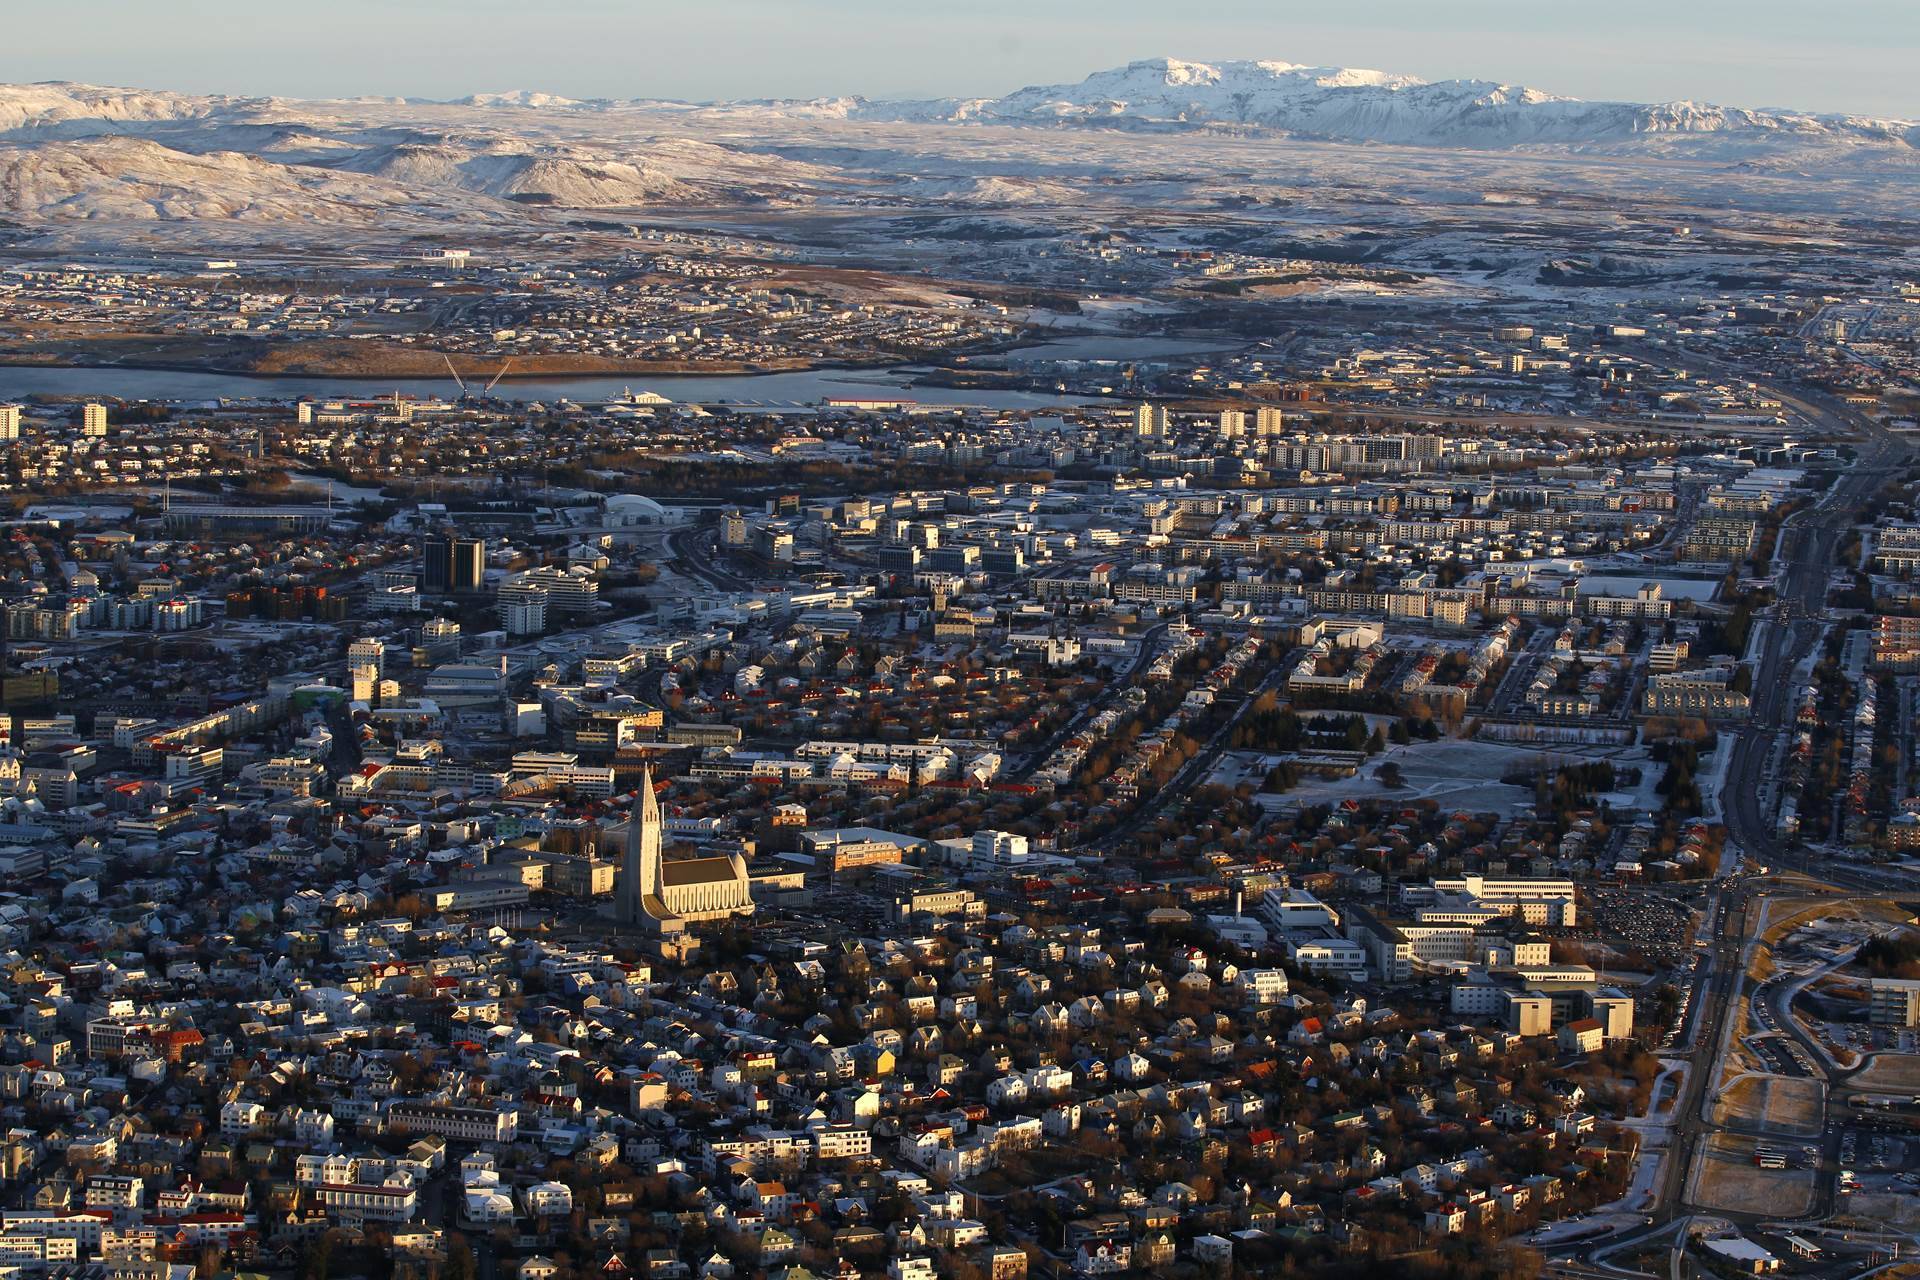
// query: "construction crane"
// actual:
[[496, 377], [456, 374]]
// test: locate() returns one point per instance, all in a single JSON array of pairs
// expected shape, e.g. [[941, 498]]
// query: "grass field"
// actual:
[[1885, 1211], [1784, 915], [1778, 1104], [1728, 1180], [1894, 1072]]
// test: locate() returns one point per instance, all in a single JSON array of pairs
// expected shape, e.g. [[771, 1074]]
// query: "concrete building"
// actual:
[[1894, 1002]]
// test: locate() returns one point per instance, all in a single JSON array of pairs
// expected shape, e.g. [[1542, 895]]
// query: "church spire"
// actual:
[[649, 834], [640, 870]]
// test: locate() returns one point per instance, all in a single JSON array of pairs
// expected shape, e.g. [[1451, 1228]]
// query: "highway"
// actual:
[[1806, 555], [691, 551], [1805, 552]]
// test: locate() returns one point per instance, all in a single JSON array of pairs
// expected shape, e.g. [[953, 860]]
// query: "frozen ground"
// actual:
[[1463, 774], [91, 167], [311, 487], [1456, 774]]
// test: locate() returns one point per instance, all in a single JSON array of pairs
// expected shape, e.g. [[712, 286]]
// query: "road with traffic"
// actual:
[[1806, 556]]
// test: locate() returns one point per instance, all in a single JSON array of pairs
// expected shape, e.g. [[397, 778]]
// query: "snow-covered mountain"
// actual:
[[135, 180], [71, 152], [80, 110], [1338, 103], [518, 98], [1352, 105]]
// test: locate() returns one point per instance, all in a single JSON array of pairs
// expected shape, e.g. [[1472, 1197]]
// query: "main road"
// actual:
[[1806, 554]]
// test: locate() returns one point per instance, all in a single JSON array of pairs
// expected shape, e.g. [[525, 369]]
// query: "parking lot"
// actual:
[[1647, 923]]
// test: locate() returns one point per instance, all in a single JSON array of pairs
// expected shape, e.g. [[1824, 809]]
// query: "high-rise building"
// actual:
[[566, 590], [456, 565], [1268, 422], [9, 422], [523, 607], [1233, 423], [439, 642], [368, 652], [469, 561], [436, 565], [1150, 422], [93, 420]]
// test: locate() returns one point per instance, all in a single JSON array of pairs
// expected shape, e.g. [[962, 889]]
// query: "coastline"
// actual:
[[931, 369], [657, 369]]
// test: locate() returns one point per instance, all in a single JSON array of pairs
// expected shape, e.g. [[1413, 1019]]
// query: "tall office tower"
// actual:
[[456, 565], [9, 422], [468, 558], [1233, 423], [436, 566], [93, 420], [1268, 422]]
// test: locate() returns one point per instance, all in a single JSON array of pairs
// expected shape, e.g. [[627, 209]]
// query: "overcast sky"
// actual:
[[1812, 54]]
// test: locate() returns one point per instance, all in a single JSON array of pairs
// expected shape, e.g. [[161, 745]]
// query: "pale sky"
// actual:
[[1823, 55]]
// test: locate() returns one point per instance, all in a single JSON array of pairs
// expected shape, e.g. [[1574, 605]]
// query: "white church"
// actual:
[[664, 896]]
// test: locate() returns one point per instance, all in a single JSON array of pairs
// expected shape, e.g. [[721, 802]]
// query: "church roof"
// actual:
[[689, 871]]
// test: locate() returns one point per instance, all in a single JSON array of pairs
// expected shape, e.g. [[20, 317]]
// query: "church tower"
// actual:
[[640, 870], [663, 898]]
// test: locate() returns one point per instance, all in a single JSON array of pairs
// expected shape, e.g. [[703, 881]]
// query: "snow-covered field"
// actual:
[[1454, 773]]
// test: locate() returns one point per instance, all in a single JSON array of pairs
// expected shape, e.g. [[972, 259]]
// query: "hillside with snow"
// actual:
[[72, 152], [1239, 130], [1350, 105], [134, 180]]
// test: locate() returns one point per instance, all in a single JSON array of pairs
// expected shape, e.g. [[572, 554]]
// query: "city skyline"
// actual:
[[1777, 54], [1219, 641]]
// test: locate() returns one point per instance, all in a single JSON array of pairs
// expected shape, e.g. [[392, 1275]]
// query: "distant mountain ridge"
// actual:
[[1352, 105], [75, 152], [1335, 103]]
